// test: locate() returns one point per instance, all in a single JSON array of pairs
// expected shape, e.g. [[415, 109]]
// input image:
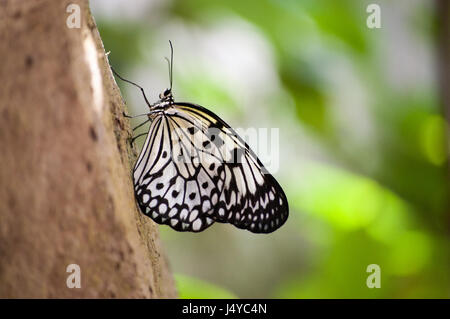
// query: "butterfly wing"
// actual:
[[164, 185], [217, 175]]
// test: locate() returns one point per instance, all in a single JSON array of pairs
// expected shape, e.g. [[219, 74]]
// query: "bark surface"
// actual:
[[66, 194]]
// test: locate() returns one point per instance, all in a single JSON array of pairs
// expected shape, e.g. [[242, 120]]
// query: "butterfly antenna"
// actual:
[[171, 64], [128, 81], [170, 72]]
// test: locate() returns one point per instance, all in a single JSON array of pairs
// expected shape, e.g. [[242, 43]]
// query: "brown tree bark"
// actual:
[[66, 195]]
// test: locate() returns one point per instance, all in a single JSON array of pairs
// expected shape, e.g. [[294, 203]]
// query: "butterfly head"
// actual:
[[166, 96]]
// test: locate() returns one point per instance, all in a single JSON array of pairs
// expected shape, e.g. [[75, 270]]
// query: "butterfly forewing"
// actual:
[[166, 185], [194, 170]]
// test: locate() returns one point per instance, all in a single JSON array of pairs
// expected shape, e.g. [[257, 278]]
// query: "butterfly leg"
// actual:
[[134, 138], [132, 117], [131, 139], [128, 81], [143, 123]]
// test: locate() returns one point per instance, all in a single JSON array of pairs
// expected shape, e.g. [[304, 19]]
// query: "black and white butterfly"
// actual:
[[194, 170]]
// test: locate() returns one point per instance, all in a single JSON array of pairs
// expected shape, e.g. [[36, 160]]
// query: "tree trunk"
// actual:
[[66, 194]]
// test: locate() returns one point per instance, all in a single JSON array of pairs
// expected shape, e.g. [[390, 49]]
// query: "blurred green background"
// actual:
[[362, 149]]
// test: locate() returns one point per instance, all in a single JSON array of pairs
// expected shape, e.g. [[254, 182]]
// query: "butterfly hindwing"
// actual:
[[251, 197]]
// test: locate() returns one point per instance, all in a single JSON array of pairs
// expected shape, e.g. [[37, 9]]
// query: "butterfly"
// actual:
[[195, 170]]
